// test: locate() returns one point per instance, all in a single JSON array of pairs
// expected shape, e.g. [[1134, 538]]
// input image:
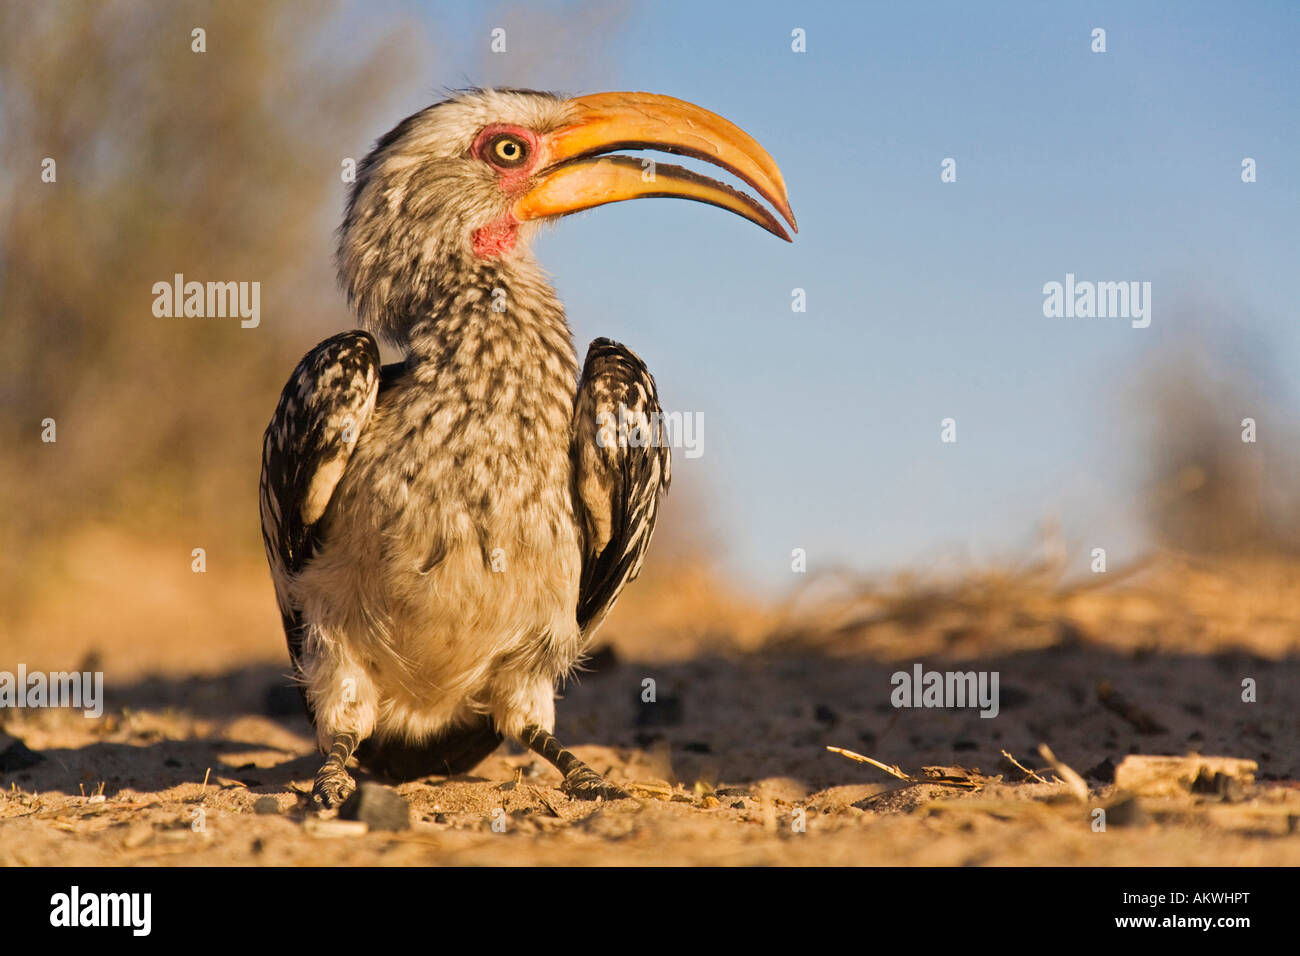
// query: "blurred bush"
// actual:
[[222, 165], [1208, 490]]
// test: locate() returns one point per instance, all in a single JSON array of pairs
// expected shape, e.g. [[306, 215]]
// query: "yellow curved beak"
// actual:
[[578, 175]]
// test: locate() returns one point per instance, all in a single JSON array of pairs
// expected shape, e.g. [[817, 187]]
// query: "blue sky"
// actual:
[[925, 298]]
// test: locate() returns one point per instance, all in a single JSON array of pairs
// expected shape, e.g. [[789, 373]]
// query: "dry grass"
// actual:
[[730, 764], [1170, 602]]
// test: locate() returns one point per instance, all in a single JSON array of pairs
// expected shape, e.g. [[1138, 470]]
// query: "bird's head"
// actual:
[[461, 184]]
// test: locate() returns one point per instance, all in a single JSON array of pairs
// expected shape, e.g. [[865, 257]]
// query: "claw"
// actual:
[[333, 786], [583, 783]]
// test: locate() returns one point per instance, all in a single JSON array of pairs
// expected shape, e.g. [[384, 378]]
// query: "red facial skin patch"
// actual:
[[496, 238], [499, 236]]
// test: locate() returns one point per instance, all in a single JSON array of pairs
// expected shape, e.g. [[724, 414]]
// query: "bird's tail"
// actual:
[[457, 750]]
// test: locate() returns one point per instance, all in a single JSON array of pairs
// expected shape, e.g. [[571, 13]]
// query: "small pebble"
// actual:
[[1104, 771], [379, 807], [266, 804]]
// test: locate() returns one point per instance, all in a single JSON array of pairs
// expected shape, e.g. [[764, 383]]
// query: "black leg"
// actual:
[[333, 783], [580, 781]]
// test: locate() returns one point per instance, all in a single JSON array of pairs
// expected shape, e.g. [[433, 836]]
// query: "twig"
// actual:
[[1025, 770], [541, 798], [1070, 778], [892, 771], [939, 779]]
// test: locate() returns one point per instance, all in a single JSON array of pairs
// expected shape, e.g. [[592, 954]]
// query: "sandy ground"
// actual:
[[730, 759]]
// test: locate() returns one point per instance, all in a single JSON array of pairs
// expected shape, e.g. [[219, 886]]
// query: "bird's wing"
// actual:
[[323, 409], [619, 472]]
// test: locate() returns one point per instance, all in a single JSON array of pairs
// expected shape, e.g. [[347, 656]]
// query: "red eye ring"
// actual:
[[509, 149]]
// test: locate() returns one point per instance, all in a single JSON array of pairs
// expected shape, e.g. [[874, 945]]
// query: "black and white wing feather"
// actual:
[[621, 466], [322, 411]]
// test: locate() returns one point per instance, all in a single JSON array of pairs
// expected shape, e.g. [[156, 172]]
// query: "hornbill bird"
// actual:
[[446, 533]]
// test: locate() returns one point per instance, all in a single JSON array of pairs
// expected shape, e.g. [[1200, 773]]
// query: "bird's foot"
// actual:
[[580, 781], [583, 783], [333, 786]]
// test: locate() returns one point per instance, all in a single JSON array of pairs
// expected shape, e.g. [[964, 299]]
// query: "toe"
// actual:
[[589, 785], [329, 792]]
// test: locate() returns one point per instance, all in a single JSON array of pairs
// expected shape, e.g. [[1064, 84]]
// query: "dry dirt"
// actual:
[[732, 753]]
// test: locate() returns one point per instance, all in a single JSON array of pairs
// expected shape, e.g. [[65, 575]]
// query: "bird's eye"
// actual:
[[507, 151]]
